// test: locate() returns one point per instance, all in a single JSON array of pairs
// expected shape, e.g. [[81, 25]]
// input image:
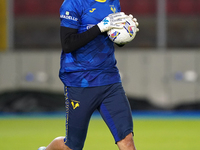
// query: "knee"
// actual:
[[60, 138], [127, 143], [128, 140], [59, 141]]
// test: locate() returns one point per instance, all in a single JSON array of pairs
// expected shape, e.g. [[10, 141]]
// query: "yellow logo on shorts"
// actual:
[[75, 104]]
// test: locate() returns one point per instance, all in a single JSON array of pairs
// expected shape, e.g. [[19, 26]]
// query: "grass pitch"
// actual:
[[23, 133]]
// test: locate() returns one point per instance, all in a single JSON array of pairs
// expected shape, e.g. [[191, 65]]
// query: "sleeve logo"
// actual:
[[67, 16]]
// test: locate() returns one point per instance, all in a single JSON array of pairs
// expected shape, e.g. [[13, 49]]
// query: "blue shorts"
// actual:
[[109, 100]]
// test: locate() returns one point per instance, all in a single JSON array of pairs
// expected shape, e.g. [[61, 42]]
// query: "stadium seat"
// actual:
[[144, 7], [19, 7], [140, 7], [33, 7], [52, 6], [171, 7], [127, 6], [197, 7], [186, 7]]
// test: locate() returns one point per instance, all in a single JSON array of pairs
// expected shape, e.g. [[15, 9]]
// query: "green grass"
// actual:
[[150, 134], [167, 134]]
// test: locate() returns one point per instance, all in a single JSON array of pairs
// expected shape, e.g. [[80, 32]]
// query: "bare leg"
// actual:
[[58, 144], [127, 143]]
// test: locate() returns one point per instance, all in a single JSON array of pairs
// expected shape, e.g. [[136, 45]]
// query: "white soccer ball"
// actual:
[[125, 34]]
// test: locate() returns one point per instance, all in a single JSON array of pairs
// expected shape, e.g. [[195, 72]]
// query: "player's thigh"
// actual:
[[79, 108], [80, 104], [116, 112]]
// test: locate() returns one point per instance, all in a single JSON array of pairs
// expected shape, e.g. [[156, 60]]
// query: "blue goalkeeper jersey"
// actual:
[[93, 64]]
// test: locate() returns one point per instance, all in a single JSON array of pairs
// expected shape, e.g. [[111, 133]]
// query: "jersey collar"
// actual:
[[101, 1]]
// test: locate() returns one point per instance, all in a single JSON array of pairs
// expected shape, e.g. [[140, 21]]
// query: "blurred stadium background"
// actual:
[[160, 70], [160, 67]]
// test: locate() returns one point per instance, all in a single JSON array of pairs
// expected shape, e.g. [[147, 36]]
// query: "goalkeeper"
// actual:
[[89, 73]]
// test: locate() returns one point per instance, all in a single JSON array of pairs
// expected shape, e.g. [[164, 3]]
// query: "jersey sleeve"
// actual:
[[71, 41], [69, 14]]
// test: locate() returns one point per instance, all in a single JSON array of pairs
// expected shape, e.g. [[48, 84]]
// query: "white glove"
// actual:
[[136, 22], [112, 21]]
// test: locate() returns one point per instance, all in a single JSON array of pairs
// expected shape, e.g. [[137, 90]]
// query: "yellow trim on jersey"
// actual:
[[101, 1]]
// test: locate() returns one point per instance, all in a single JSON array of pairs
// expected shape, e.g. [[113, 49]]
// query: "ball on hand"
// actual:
[[125, 34]]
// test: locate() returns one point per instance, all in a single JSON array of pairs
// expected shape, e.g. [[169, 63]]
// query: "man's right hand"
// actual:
[[114, 20]]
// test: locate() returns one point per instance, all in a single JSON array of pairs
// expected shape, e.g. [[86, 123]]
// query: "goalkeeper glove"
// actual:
[[112, 21], [136, 22]]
